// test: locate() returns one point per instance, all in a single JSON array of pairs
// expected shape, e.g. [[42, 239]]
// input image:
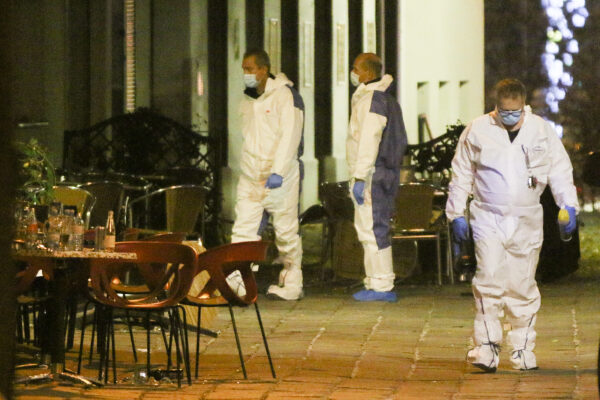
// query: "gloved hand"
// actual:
[[460, 229], [570, 227], [357, 191], [274, 181]]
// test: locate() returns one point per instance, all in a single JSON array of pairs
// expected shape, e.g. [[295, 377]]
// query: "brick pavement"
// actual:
[[328, 346]]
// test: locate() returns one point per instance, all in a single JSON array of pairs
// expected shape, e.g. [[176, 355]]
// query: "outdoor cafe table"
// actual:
[[67, 267]]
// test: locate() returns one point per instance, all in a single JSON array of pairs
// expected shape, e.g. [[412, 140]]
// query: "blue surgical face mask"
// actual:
[[510, 118], [250, 80]]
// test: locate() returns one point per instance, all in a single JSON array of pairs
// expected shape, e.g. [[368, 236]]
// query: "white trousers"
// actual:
[[253, 199], [507, 249], [379, 268]]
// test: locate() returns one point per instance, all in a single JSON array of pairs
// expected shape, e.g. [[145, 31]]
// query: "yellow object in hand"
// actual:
[[563, 217]]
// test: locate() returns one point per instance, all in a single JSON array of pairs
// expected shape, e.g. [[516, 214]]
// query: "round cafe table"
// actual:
[[67, 268]]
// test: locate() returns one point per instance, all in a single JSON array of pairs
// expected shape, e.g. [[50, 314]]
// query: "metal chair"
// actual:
[[171, 209], [413, 221], [110, 196], [80, 198], [220, 262]]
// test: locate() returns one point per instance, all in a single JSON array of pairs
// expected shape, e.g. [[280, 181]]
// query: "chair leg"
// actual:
[[95, 323], [175, 332], [147, 344], [237, 341], [185, 342], [26, 324], [71, 322], [20, 330], [114, 352], [198, 340], [262, 331], [439, 259], [131, 336], [83, 321]]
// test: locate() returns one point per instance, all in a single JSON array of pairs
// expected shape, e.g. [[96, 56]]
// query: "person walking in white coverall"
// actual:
[[374, 149], [505, 159], [272, 121]]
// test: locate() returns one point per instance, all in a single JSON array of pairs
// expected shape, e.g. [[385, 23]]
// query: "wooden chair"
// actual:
[[219, 262], [125, 285], [176, 265]]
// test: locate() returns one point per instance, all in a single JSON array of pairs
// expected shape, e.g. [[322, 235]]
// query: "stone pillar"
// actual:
[[235, 87], [306, 87], [335, 165]]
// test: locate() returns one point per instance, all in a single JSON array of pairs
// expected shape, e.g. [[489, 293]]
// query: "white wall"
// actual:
[[441, 41], [335, 165], [199, 63], [306, 87], [236, 46]]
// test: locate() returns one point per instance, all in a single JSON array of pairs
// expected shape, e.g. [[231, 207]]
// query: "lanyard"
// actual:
[[531, 179]]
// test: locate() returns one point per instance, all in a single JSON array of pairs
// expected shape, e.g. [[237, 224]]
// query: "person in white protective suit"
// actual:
[[505, 159], [272, 121], [374, 149]]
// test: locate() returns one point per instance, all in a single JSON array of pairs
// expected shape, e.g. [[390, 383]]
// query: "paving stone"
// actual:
[[330, 347]]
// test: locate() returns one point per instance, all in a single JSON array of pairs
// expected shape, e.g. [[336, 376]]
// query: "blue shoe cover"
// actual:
[[371, 295]]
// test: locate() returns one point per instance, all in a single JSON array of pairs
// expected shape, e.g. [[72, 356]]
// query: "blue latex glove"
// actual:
[[570, 227], [274, 181], [460, 229], [358, 190]]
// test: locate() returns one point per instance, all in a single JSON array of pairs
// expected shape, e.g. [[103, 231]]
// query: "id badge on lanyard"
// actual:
[[531, 179]]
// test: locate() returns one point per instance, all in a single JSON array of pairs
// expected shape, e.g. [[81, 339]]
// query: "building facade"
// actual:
[[89, 60]]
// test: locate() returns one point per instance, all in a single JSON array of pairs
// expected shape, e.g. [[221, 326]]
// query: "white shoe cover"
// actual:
[[288, 292], [523, 360], [236, 283], [484, 357]]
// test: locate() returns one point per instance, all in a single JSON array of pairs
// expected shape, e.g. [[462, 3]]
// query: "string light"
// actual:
[[560, 47]]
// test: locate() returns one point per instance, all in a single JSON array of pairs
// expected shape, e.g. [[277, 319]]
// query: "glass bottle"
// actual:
[[77, 231], [31, 235], [66, 229], [110, 232], [53, 227]]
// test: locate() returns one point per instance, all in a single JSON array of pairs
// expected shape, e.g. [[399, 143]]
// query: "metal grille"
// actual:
[[145, 143]]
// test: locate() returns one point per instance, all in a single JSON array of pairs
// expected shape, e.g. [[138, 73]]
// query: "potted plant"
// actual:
[[37, 176]]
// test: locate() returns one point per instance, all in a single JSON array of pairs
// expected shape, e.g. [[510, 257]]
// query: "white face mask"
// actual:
[[354, 79], [250, 80]]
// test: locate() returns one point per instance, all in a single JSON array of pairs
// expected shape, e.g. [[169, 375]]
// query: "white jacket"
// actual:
[[496, 171], [272, 130], [365, 130]]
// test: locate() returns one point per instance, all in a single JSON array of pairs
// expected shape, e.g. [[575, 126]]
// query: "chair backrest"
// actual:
[[335, 197], [221, 261], [109, 197], [173, 264], [74, 196], [414, 206], [181, 207]]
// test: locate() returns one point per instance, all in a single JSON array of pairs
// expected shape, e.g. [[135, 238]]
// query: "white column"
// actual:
[[199, 64], [335, 165], [143, 52], [306, 87], [369, 28], [272, 34], [236, 45]]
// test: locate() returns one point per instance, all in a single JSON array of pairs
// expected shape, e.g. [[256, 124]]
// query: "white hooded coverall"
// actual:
[[506, 218], [374, 149], [272, 127]]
